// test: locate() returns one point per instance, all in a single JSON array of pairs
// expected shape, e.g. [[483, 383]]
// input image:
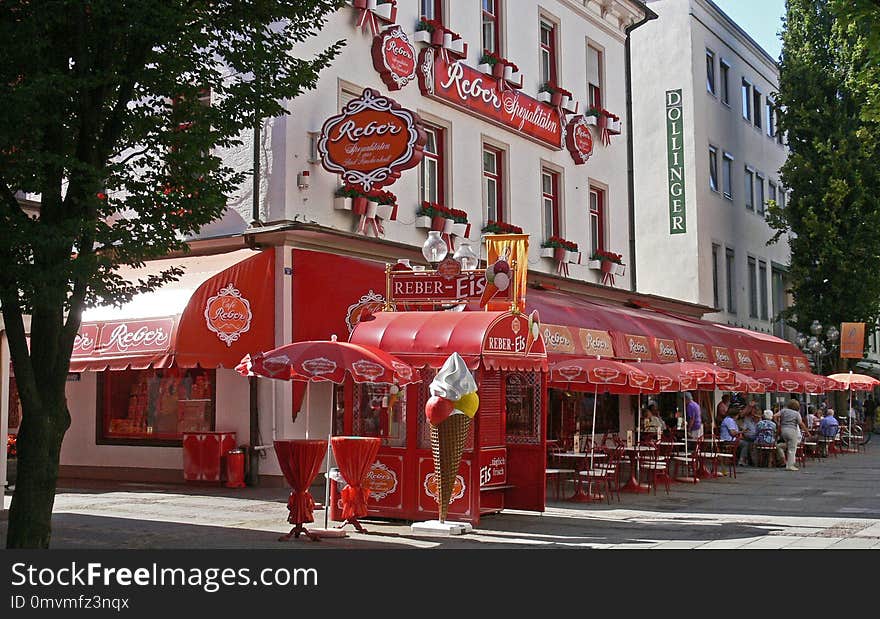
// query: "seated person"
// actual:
[[812, 418], [729, 430], [828, 429], [652, 422], [765, 432], [749, 424]]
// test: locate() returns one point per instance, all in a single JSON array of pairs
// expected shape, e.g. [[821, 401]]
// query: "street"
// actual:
[[833, 503]]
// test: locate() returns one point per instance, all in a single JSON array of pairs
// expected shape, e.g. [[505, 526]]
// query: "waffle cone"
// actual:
[[447, 445], [488, 292]]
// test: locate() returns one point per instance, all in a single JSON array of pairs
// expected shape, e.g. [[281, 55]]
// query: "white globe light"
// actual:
[[434, 249], [466, 256], [832, 334], [800, 340], [816, 327]]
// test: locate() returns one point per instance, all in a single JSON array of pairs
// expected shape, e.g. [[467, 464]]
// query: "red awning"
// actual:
[[693, 339], [499, 340], [221, 308]]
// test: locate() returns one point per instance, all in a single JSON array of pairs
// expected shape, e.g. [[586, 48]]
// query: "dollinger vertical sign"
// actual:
[[675, 162]]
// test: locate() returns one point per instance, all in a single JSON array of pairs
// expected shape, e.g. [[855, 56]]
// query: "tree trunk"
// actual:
[[39, 450]]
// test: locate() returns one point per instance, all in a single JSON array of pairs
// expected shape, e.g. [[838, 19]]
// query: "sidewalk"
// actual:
[[834, 503]]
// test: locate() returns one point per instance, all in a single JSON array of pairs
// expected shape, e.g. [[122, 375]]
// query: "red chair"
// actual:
[[554, 471], [727, 454], [612, 465], [598, 476], [688, 461]]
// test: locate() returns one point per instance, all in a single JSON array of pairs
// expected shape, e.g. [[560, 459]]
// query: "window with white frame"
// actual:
[[770, 109], [771, 191], [431, 179], [597, 219], [725, 86], [730, 268], [749, 188], [716, 251], [757, 107], [762, 289], [550, 202], [759, 194], [594, 76], [753, 287], [432, 9], [710, 71], [548, 51], [713, 168], [727, 176], [746, 99], [492, 25], [493, 182]]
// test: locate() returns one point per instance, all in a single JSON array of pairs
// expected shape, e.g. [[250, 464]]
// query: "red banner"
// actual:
[[124, 337], [770, 361], [744, 359], [665, 350], [635, 347], [596, 342], [477, 93], [697, 352], [852, 340], [722, 356]]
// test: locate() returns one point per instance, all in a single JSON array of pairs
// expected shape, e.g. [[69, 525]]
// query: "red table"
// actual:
[[580, 496], [354, 456], [300, 461], [633, 484]]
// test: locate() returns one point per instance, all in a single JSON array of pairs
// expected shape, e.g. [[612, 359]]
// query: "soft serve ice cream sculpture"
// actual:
[[452, 405]]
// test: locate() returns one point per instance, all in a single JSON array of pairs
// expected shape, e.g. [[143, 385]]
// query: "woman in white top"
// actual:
[[790, 425]]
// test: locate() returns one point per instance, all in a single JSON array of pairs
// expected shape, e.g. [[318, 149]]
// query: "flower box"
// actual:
[[544, 96], [607, 266], [423, 221], [460, 229], [342, 203], [548, 252], [594, 264], [613, 125], [591, 120], [574, 257], [485, 68], [422, 36], [458, 46], [619, 269], [384, 11], [447, 40]]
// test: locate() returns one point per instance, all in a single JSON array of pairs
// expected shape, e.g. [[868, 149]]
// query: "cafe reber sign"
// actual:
[[394, 57], [472, 91], [124, 337], [372, 141], [579, 140]]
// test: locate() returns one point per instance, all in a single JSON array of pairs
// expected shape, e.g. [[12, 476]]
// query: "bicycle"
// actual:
[[852, 435]]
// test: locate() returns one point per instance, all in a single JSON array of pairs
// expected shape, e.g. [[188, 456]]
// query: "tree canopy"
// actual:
[[115, 113], [832, 219]]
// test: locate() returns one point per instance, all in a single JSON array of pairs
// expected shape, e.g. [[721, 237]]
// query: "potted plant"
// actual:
[[558, 248], [556, 95], [592, 116], [492, 64], [350, 198], [500, 227], [429, 31], [606, 261]]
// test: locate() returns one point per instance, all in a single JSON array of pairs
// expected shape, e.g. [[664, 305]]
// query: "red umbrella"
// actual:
[[327, 361], [855, 382], [669, 377]]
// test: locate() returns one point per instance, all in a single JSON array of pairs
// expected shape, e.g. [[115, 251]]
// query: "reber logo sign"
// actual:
[[579, 140], [371, 141], [394, 57], [228, 314]]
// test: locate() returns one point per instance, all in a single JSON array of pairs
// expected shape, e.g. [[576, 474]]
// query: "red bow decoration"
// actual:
[[354, 502], [369, 16], [301, 505]]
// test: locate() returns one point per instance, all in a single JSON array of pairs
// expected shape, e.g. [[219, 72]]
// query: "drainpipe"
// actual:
[[630, 179]]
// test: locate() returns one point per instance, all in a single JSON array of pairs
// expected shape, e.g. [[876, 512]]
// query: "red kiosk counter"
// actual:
[[503, 463]]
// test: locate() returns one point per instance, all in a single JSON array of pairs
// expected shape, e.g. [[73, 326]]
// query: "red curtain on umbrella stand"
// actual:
[[300, 461], [354, 456]]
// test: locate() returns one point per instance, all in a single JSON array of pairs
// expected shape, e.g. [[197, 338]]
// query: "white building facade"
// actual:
[[707, 158]]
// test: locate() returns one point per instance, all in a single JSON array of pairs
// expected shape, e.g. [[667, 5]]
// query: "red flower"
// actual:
[[101, 196]]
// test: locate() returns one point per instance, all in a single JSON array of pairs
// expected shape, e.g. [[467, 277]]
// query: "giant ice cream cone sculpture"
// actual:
[[453, 404]]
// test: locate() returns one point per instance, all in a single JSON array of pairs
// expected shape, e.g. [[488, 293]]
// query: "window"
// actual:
[[753, 289], [594, 76], [762, 288], [781, 197], [550, 202], [749, 188], [710, 71], [432, 9], [747, 99], [373, 417], [431, 188], [769, 108], [727, 175], [493, 182], [154, 407], [757, 107], [522, 399], [730, 267], [713, 168], [548, 52], [778, 281], [597, 219], [716, 300], [759, 194], [725, 90], [492, 26], [772, 190]]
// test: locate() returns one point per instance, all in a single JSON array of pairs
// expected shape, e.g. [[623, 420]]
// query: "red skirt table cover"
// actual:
[[300, 461], [354, 455]]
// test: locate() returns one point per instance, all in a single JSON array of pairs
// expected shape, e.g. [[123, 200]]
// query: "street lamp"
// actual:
[[466, 256], [434, 249], [817, 346]]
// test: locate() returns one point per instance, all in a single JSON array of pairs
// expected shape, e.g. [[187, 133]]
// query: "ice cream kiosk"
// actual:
[[503, 461]]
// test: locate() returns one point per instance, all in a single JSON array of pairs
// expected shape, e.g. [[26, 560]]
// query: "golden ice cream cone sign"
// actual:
[[453, 404]]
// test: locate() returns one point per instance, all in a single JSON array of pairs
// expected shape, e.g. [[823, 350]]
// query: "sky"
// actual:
[[762, 19]]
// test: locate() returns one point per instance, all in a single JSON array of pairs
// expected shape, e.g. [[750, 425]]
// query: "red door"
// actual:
[[524, 397]]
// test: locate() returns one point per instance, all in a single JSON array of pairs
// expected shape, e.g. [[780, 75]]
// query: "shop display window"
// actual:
[[154, 407], [14, 405], [571, 412], [522, 400], [378, 412]]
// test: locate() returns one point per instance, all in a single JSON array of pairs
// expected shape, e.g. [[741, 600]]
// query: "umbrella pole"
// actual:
[[638, 434], [329, 448], [308, 407], [593, 427]]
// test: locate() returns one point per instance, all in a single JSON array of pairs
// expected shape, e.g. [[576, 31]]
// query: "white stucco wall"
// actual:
[[680, 38]]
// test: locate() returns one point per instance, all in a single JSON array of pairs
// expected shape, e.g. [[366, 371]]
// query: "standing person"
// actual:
[[694, 416], [790, 426]]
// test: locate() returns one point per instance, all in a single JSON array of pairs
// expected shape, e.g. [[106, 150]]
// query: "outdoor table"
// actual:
[[711, 445], [580, 496], [354, 456], [633, 484], [300, 461]]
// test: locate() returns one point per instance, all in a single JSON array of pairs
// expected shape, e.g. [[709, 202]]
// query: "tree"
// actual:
[[831, 220], [102, 113]]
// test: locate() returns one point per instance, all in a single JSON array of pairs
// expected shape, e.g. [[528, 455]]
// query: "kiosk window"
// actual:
[[154, 407], [378, 412], [522, 399]]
